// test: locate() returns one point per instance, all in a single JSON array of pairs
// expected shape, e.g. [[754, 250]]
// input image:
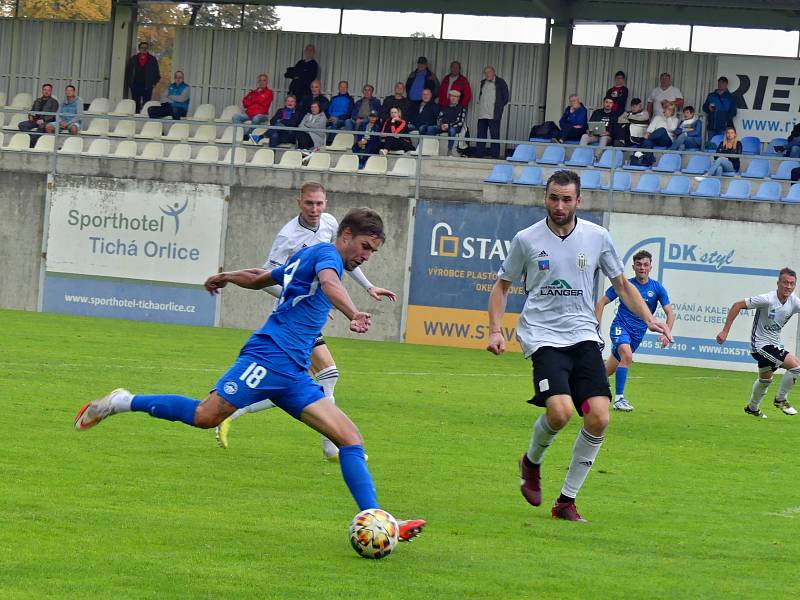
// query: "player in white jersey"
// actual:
[[773, 311], [558, 258], [312, 226]]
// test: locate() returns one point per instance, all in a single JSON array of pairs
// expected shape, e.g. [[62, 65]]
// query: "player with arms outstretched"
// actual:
[[312, 226], [274, 362], [559, 257], [627, 329], [773, 311]]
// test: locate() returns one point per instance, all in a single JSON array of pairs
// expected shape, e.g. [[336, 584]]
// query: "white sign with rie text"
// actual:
[[132, 229]]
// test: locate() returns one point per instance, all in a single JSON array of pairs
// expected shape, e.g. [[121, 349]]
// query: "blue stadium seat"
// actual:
[[630, 167], [523, 153], [609, 158], [738, 189], [715, 141], [784, 170], [679, 185], [794, 194], [581, 157], [552, 155], [668, 163], [501, 174], [757, 169], [782, 142], [590, 180], [621, 182], [698, 165], [649, 183], [769, 191], [751, 145], [530, 176], [710, 186]]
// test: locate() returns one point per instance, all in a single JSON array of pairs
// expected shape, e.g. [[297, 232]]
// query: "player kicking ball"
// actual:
[[627, 329], [274, 362], [312, 226], [773, 311], [558, 259]]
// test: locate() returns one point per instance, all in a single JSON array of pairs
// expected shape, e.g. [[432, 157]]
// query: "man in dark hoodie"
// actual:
[[421, 79], [398, 100], [303, 73], [316, 95], [36, 123], [288, 116], [720, 108], [142, 75], [424, 117]]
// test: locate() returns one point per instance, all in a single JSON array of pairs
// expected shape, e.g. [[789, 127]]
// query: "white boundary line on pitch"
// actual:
[[789, 513]]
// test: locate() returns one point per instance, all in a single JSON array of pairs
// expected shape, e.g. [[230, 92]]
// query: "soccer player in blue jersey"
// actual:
[[274, 362], [627, 329]]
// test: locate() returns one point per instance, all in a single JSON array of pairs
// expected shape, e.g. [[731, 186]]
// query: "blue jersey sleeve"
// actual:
[[663, 296], [328, 258], [611, 294], [277, 274]]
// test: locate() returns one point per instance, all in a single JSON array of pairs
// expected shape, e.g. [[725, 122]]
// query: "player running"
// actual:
[[559, 257], [312, 226], [773, 311], [627, 330], [274, 362]]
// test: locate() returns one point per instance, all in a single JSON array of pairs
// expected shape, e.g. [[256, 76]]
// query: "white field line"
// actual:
[[789, 513]]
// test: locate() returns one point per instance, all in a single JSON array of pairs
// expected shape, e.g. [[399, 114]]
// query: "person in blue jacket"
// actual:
[[720, 108], [574, 122]]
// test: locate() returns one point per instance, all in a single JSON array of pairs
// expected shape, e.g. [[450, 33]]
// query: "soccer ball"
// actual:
[[373, 533]]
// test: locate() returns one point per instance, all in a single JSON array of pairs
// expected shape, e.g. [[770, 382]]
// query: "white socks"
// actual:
[[787, 381], [584, 453], [540, 440], [327, 378], [760, 387], [121, 401]]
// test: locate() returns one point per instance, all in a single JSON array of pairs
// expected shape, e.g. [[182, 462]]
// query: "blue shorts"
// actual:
[[619, 336], [260, 374]]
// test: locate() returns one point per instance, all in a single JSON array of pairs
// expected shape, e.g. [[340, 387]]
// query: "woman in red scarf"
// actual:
[[391, 130]]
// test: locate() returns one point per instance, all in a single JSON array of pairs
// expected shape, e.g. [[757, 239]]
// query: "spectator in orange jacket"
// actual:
[[455, 81], [256, 106]]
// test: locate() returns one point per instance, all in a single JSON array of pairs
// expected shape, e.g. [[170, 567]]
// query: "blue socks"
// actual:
[[357, 477], [167, 406], [620, 379]]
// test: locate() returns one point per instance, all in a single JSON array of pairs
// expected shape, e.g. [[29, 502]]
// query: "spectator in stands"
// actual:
[[369, 140], [573, 122], [142, 75], [666, 92], [793, 148], [608, 117], [70, 113], [316, 95], [392, 129], [456, 81], [492, 100], [340, 107], [175, 103], [421, 79], [618, 93], [362, 108], [288, 116], [255, 105], [631, 127], [314, 122], [398, 100], [36, 122], [425, 115], [730, 145], [303, 73], [661, 131], [451, 119], [720, 108], [689, 135]]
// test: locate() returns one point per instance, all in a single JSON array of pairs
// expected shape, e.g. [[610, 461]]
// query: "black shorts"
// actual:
[[577, 371], [320, 341], [769, 357]]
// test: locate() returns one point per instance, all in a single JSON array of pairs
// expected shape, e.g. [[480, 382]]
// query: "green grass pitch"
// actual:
[[689, 497]]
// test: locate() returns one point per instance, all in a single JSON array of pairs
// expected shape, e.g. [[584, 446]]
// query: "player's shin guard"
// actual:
[[167, 406], [620, 378], [540, 440], [357, 477], [786, 383], [584, 453], [758, 392], [252, 408]]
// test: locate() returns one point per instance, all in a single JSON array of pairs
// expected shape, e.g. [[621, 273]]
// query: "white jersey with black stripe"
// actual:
[[770, 318], [559, 275], [295, 236]]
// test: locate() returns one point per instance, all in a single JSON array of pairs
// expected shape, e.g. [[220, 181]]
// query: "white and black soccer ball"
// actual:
[[373, 533]]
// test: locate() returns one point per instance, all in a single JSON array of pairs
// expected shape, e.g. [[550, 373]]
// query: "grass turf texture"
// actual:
[[689, 496]]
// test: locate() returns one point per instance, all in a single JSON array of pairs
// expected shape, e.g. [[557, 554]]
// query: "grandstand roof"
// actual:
[[767, 14]]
